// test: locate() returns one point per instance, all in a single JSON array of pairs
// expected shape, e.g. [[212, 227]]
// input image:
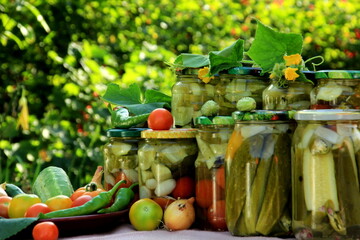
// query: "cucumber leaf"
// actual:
[[134, 100], [269, 46], [227, 58], [188, 60], [11, 226]]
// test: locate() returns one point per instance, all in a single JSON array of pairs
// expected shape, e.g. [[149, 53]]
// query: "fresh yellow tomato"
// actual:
[[20, 204], [145, 214], [59, 202]]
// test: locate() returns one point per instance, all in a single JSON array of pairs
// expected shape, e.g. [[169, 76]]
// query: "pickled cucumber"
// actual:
[[161, 172], [277, 195], [329, 92], [347, 182], [319, 169]]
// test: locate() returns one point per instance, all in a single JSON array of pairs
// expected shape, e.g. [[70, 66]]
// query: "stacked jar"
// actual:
[[258, 174], [121, 156], [166, 163], [237, 83], [212, 139], [325, 180], [294, 96], [336, 89], [189, 93]]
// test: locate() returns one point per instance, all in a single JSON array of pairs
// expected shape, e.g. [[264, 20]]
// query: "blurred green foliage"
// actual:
[[61, 54]]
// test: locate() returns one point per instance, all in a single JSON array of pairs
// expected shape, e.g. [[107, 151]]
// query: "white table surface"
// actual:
[[126, 232]]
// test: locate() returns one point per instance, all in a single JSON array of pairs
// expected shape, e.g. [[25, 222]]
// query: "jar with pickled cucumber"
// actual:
[[212, 138], [258, 174], [166, 163], [336, 89], [237, 83], [325, 180], [189, 93], [294, 96], [120, 156]]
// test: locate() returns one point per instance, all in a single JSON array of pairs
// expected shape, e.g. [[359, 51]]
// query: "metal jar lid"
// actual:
[[338, 74], [170, 134], [263, 115], [129, 132], [327, 114], [217, 120]]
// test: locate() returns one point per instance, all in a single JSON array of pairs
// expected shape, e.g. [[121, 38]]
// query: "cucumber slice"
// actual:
[[248, 131], [120, 148], [161, 172], [307, 135], [319, 180], [329, 92], [175, 154]]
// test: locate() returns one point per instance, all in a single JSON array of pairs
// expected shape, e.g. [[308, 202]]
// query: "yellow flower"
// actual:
[[203, 74], [290, 74], [294, 59]]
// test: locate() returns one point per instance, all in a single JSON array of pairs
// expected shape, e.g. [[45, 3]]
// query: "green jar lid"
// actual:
[[129, 132], [327, 114], [217, 120], [263, 115], [187, 71], [309, 75], [338, 74], [243, 71]]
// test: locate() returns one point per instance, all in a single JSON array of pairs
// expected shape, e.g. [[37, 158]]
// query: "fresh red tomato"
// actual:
[[160, 119], [36, 209], [220, 177], [59, 202], [45, 231], [4, 206], [216, 215], [81, 200], [185, 187]]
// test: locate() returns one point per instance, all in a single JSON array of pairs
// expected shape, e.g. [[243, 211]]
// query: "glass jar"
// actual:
[[188, 96], [120, 156], [212, 140], [325, 180], [166, 163], [237, 83], [337, 89], [295, 96], [258, 174]]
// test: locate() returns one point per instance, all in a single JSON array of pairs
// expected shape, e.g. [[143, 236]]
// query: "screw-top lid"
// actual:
[[243, 71], [338, 74], [172, 133], [263, 115], [129, 132], [217, 120], [327, 114]]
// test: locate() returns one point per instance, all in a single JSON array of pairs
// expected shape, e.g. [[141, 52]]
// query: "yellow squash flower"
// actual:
[[290, 74], [294, 59], [203, 75]]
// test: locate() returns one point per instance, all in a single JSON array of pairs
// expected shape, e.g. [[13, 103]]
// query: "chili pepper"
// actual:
[[120, 118], [98, 202], [123, 197]]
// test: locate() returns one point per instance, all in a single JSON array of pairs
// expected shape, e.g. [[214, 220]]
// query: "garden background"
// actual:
[[57, 57]]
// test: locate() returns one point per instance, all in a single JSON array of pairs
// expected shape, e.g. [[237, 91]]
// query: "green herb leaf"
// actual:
[[227, 58], [188, 60], [11, 226], [136, 102], [270, 46]]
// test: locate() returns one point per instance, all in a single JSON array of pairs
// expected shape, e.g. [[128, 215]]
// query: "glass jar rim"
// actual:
[[327, 114]]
